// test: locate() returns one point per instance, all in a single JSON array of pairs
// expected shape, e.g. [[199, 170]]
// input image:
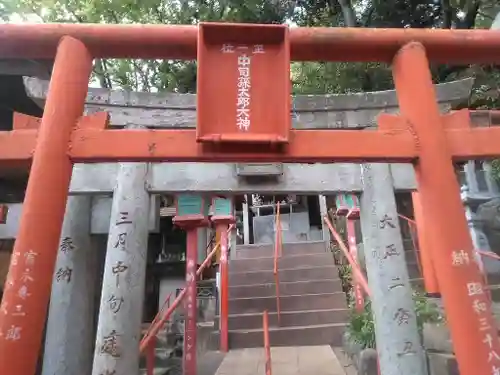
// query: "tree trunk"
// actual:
[[348, 12]]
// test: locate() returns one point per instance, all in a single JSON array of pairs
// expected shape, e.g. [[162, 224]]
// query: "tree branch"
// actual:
[[447, 12], [348, 13], [471, 10]]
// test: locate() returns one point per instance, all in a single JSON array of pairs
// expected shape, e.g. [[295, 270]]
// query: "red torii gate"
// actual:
[[419, 135]]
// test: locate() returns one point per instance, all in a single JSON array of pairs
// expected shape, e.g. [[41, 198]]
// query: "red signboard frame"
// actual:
[[243, 83]]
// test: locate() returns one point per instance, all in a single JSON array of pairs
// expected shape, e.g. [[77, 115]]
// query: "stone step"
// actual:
[[207, 364], [413, 271], [285, 261], [493, 279], [495, 293], [164, 358], [408, 244], [288, 303], [322, 334], [417, 283], [288, 319], [442, 364], [286, 288], [327, 272], [267, 250], [158, 371], [411, 256]]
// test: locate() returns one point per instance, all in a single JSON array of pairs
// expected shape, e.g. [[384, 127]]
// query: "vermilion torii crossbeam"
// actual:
[[90, 143], [420, 135], [307, 44]]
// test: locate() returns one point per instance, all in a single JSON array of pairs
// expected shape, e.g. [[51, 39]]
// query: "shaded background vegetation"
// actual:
[[308, 78]]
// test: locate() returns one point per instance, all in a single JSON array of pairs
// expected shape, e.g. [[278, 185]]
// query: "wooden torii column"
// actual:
[[414, 137]]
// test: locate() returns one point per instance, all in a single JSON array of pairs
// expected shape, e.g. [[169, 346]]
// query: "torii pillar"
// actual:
[[468, 311], [29, 280]]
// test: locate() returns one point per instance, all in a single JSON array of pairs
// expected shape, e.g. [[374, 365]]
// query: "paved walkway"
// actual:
[[297, 360]]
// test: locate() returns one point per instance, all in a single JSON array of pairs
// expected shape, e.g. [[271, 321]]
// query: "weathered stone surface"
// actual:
[[160, 110], [351, 348], [442, 364], [24, 67], [437, 338], [368, 362], [489, 214], [297, 178]]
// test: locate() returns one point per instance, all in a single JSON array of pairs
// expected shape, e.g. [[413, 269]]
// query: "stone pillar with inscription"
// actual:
[[246, 221], [70, 334], [398, 342], [323, 209], [120, 315]]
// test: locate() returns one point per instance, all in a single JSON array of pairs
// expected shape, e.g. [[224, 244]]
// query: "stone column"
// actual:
[[232, 241], [323, 209], [490, 181], [246, 222], [480, 241], [398, 342], [70, 326], [120, 315], [202, 245], [470, 176]]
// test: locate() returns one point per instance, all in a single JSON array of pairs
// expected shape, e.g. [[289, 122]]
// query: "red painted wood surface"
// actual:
[[306, 43], [243, 105]]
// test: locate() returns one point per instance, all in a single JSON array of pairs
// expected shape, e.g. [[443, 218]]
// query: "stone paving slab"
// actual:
[[297, 360]]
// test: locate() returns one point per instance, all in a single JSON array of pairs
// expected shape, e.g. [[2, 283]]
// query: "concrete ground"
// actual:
[[297, 360]]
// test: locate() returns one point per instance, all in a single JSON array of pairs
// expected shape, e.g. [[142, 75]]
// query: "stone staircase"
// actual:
[[313, 306]]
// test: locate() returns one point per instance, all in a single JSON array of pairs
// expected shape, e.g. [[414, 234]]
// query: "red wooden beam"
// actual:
[[478, 143], [17, 147], [92, 145], [90, 142], [315, 44]]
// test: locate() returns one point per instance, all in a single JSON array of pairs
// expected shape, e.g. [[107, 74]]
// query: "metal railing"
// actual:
[[356, 269], [162, 317], [358, 274], [278, 243], [224, 291], [359, 298], [267, 345], [150, 350]]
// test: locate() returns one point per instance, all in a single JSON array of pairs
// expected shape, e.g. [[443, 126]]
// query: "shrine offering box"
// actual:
[[243, 87]]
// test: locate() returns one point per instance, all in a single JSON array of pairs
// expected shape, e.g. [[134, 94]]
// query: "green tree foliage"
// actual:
[[307, 78], [361, 326]]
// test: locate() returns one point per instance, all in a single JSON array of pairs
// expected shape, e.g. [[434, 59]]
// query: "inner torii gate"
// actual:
[[238, 61]]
